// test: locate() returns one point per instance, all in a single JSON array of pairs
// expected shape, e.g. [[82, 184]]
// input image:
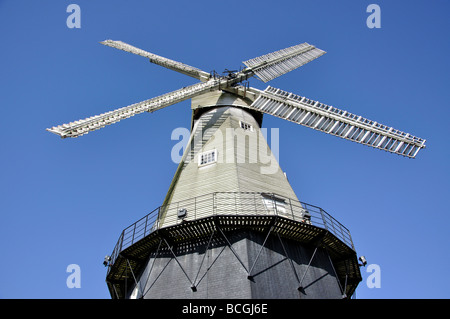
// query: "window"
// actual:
[[246, 126], [274, 204], [206, 158]]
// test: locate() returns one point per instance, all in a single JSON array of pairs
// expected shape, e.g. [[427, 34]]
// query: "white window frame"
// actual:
[[209, 156], [246, 126]]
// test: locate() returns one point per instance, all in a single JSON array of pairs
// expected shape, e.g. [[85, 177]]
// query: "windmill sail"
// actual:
[[272, 65], [165, 62], [331, 120], [81, 127], [272, 101]]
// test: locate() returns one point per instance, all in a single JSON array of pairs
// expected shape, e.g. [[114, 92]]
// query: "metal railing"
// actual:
[[230, 203]]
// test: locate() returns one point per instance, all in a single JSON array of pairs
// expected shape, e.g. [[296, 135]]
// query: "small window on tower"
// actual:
[[206, 158], [246, 126], [274, 204]]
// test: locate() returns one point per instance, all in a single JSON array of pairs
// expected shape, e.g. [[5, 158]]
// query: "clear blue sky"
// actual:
[[66, 201]]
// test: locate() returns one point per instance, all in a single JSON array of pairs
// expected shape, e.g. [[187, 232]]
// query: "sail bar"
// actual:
[[81, 127], [334, 121], [165, 62], [275, 64]]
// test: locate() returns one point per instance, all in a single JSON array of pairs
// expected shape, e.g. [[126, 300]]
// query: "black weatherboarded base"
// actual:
[[236, 257]]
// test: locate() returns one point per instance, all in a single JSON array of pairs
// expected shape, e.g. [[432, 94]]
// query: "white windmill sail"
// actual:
[[81, 127], [162, 61], [272, 65], [331, 120]]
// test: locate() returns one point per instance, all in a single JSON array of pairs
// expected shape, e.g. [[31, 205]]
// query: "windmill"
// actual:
[[231, 225]]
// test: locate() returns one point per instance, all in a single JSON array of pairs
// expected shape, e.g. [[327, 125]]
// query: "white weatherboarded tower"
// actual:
[[230, 225]]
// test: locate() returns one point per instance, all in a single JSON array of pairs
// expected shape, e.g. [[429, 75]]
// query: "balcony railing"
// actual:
[[230, 203]]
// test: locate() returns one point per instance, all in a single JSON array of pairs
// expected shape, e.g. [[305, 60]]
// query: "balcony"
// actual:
[[196, 218]]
